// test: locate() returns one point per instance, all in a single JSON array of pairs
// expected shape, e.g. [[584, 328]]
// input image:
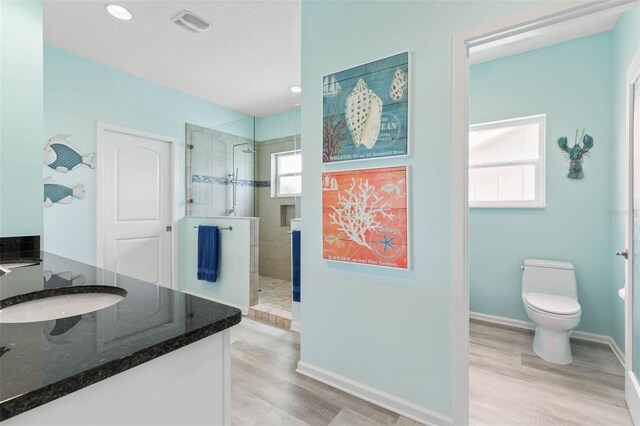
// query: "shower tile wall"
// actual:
[[209, 163], [275, 249]]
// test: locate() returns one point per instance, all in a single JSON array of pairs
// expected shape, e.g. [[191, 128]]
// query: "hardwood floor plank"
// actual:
[[277, 417], [510, 385], [290, 398], [247, 409], [285, 369], [347, 417]]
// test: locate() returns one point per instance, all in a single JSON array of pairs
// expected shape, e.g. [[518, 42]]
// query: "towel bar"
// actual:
[[221, 228]]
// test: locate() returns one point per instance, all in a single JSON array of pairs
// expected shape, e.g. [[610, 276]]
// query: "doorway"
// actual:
[[510, 27], [136, 204]]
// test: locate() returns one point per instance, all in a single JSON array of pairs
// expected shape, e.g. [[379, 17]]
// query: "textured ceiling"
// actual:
[[246, 60]]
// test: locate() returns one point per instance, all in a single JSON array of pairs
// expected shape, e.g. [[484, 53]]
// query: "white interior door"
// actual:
[[632, 309], [137, 205]]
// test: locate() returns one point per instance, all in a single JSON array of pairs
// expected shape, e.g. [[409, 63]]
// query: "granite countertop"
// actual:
[[43, 361]]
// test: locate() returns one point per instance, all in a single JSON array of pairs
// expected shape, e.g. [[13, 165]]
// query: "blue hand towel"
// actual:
[[295, 263], [208, 252]]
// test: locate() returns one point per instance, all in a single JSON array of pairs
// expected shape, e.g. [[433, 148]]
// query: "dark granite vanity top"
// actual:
[[43, 361]]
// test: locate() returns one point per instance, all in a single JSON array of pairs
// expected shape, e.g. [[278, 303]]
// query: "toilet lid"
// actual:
[[560, 305]]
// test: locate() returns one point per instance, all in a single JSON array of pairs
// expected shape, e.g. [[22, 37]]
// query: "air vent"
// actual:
[[190, 22]]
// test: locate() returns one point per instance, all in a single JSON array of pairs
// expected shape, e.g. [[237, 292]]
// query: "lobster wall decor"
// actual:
[[576, 153]]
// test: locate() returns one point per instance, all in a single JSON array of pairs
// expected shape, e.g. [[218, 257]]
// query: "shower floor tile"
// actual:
[[274, 292]]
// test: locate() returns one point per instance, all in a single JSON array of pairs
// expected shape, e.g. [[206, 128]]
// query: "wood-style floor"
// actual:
[[510, 385], [266, 390]]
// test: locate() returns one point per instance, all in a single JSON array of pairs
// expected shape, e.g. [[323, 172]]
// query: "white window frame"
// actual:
[[540, 198], [275, 174]]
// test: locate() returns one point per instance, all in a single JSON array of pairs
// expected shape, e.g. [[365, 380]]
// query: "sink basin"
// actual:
[[50, 304]]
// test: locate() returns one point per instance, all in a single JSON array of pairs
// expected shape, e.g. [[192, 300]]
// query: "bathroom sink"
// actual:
[[59, 303]]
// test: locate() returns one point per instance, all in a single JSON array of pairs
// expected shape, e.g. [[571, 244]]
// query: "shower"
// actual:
[[233, 176]]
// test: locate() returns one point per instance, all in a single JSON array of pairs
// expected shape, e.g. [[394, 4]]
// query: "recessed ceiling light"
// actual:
[[295, 89], [118, 11]]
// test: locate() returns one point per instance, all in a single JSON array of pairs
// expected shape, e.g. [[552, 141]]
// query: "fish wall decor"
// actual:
[[57, 193], [63, 157]]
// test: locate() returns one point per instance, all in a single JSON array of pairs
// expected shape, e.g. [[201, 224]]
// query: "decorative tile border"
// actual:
[[210, 179], [226, 181]]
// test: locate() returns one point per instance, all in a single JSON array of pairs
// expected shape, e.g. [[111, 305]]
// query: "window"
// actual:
[[506, 163], [286, 169]]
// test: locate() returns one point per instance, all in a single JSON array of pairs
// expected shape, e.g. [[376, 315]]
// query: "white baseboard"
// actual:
[[295, 326], [382, 399], [580, 335], [617, 351]]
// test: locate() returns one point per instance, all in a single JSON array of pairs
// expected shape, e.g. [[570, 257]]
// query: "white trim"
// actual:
[[551, 13], [526, 325], [100, 202], [400, 406], [616, 351], [540, 164], [295, 326], [276, 175], [632, 391], [243, 309]]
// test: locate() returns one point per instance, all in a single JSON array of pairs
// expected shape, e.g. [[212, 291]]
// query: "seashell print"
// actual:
[[371, 128], [399, 85], [357, 110]]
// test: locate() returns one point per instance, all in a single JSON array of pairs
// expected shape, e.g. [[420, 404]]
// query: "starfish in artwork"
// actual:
[[386, 242]]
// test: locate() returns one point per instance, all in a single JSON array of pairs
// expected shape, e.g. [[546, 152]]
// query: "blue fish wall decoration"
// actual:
[[56, 193], [63, 157]]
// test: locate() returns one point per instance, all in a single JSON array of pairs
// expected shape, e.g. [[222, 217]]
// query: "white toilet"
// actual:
[[550, 297]]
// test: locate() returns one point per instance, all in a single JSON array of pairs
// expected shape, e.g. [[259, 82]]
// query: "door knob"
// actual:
[[623, 253]]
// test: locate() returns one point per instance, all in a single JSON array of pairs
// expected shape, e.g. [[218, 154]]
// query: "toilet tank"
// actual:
[[550, 277]]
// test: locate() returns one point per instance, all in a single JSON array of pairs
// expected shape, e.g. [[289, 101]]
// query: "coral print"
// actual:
[[365, 216], [365, 111]]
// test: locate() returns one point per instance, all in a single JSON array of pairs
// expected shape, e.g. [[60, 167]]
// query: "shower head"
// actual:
[[247, 150]]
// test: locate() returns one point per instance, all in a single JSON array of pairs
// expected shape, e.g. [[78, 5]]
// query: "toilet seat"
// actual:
[[553, 304]]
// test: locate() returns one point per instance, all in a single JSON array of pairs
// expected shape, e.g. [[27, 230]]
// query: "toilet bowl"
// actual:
[[549, 294]]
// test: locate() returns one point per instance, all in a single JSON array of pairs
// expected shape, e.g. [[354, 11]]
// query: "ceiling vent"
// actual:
[[190, 22]]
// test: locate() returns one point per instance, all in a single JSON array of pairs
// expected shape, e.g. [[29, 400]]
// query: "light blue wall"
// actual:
[[234, 261], [21, 118], [626, 42], [388, 329], [78, 93], [279, 125], [570, 83]]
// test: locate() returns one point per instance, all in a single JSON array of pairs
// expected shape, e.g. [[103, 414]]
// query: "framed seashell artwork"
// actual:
[[366, 111], [364, 216]]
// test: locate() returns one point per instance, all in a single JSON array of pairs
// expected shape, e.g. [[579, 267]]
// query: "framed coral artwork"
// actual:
[[366, 111], [365, 216]]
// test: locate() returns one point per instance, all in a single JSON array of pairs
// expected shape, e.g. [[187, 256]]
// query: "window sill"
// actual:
[[514, 205]]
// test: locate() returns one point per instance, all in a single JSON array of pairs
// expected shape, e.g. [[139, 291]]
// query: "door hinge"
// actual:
[[190, 201], [190, 146], [169, 228]]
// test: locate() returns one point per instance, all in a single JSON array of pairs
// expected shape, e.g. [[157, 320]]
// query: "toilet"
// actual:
[[550, 296]]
